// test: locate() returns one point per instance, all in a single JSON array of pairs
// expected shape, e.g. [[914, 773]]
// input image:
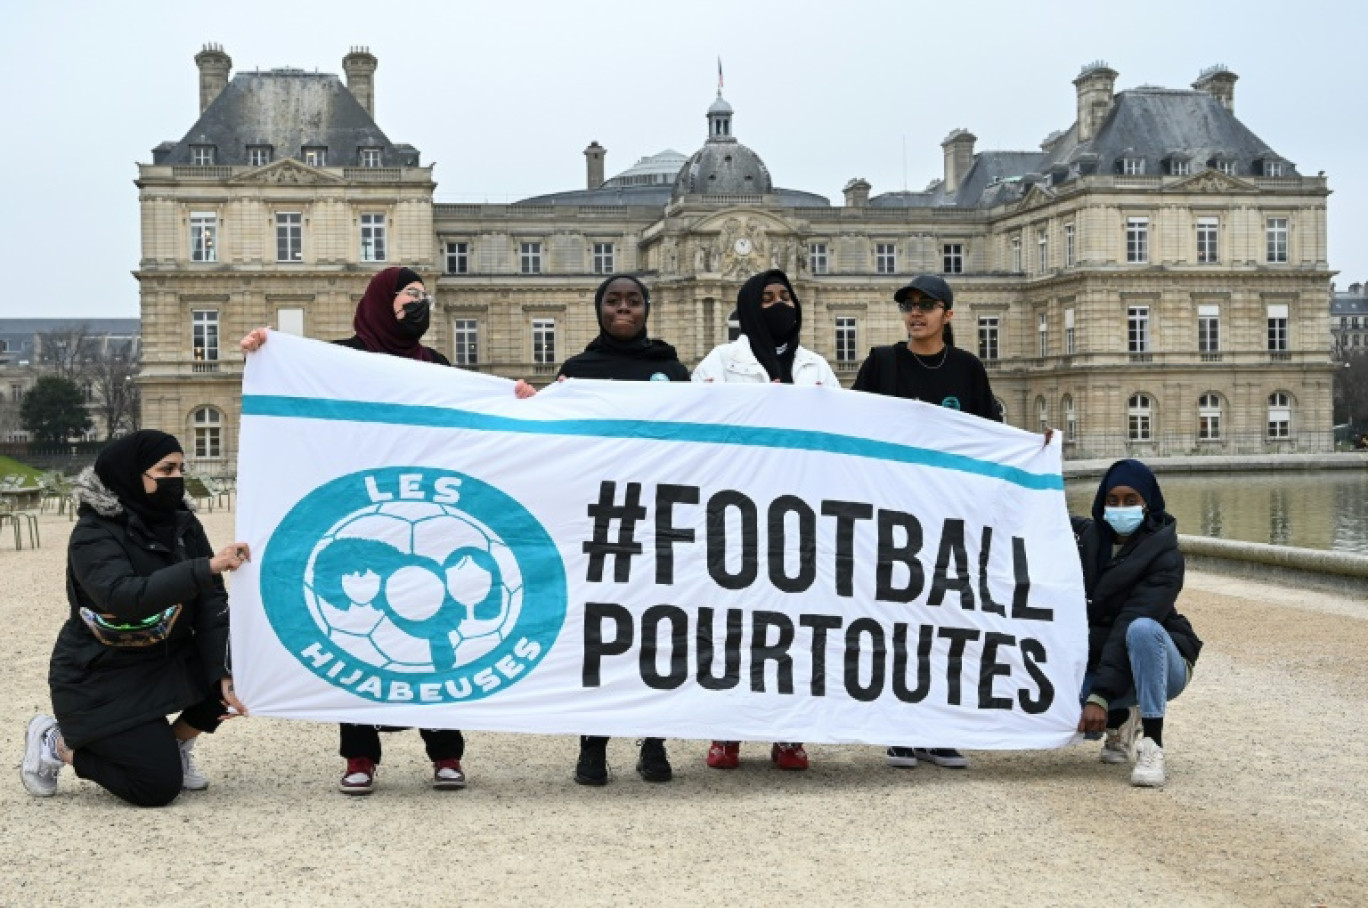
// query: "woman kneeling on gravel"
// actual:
[[147, 633], [1140, 650]]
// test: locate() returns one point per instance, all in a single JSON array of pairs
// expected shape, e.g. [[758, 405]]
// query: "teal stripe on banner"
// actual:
[[750, 436]]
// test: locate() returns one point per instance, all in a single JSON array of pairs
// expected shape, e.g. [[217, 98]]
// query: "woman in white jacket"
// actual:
[[767, 351]]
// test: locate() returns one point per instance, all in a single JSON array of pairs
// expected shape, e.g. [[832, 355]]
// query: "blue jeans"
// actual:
[[1158, 670]]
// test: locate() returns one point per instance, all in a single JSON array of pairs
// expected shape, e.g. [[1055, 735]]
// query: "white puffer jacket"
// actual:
[[734, 362]]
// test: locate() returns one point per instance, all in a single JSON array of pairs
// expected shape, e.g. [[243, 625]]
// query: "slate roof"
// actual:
[[287, 110]]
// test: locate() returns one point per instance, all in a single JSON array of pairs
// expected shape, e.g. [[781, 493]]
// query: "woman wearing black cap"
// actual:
[[391, 318], [623, 352], [147, 634], [1140, 650], [767, 351], [930, 368]]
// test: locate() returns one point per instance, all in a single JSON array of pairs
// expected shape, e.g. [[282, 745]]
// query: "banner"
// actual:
[[713, 561]]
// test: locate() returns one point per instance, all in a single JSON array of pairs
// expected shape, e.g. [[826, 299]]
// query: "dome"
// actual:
[[723, 168], [720, 106]]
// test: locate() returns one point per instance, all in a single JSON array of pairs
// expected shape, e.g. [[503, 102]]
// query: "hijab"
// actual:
[[1137, 476], [121, 465], [605, 342], [375, 323], [775, 354]]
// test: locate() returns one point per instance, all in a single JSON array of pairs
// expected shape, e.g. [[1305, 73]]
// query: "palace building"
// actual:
[[1151, 280]]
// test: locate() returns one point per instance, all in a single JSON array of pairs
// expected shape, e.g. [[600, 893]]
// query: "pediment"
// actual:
[[1211, 181], [1036, 196], [742, 221], [287, 172]]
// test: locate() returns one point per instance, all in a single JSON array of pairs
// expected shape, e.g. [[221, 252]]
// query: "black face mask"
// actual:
[[170, 493], [417, 315], [780, 320]]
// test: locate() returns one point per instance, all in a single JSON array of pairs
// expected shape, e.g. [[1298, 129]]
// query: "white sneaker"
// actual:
[[1119, 747], [902, 757], [1149, 765], [41, 764], [191, 778]]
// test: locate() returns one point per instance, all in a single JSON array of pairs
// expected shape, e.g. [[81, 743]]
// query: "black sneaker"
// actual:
[[654, 765], [592, 768]]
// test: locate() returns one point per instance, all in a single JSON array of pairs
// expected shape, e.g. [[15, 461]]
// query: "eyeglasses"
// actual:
[[922, 305], [415, 293]]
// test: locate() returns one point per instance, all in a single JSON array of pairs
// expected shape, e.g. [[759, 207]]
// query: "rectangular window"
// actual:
[[466, 342], [1208, 329], [845, 339], [457, 258], [289, 236], [290, 321], [1043, 333], [316, 155], [1226, 167], [1016, 253], [1042, 251], [204, 335], [203, 236], [1275, 231], [1277, 328], [1069, 347], [1133, 166], [1137, 329], [529, 258], [886, 258], [370, 157], [817, 253], [208, 429], [1279, 416], [258, 155], [201, 155], [952, 258], [373, 238], [1209, 418], [603, 258], [1069, 256], [1178, 168], [1208, 232], [543, 341], [1137, 240], [1273, 168], [988, 337]]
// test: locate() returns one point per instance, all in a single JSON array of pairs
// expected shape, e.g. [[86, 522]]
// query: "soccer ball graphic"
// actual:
[[413, 586]]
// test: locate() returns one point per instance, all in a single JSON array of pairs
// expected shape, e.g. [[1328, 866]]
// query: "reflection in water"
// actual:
[[1312, 509]]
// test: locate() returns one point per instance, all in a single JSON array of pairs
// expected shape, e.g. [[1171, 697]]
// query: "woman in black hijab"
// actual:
[[622, 351], [147, 633]]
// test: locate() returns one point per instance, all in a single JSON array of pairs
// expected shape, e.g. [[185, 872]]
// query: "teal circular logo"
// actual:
[[414, 585]]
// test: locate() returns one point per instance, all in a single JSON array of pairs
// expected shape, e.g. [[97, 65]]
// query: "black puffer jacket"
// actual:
[[1142, 580], [116, 567]]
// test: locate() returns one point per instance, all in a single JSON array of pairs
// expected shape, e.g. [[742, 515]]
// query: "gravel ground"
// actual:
[[1267, 800]]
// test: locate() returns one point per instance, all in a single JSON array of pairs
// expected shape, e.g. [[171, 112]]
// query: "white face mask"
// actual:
[[1124, 520]]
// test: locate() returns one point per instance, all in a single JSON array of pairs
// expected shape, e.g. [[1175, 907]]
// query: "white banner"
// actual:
[[750, 562]]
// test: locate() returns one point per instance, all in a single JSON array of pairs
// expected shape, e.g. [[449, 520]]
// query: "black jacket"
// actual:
[[1142, 580], [644, 363], [958, 380], [116, 567]]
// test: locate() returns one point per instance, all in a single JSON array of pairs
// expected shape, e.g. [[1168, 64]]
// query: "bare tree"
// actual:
[[114, 391], [1351, 388], [103, 367], [65, 352]]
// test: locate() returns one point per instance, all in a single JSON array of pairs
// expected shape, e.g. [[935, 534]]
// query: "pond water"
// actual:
[[1309, 509]]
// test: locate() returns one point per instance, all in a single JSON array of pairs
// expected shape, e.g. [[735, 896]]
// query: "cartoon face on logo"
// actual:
[[414, 584]]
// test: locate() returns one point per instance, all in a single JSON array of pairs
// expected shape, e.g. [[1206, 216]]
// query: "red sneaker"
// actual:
[[447, 775], [724, 754], [359, 778], [789, 756]]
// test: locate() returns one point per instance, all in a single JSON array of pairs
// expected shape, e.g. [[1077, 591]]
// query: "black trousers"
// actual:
[[364, 741], [142, 765]]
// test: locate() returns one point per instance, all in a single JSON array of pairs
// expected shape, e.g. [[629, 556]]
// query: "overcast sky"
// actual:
[[504, 96]]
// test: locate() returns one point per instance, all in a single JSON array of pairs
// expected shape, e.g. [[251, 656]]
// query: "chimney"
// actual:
[[1094, 84], [594, 155], [1220, 82], [959, 157], [214, 67], [359, 65], [857, 193]]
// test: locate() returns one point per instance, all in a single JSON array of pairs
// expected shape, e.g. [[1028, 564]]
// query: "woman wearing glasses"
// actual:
[[391, 318], [930, 368], [147, 634]]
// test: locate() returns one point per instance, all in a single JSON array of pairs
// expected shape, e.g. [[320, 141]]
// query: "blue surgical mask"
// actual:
[[1124, 520]]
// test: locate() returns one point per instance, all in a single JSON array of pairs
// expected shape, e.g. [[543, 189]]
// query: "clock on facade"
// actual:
[[743, 246]]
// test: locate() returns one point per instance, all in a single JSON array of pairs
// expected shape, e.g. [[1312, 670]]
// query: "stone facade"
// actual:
[[1146, 296]]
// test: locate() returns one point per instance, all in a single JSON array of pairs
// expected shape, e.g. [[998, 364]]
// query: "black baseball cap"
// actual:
[[929, 285]]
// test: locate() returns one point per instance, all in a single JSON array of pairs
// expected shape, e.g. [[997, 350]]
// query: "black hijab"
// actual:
[[775, 354], [638, 347], [121, 465]]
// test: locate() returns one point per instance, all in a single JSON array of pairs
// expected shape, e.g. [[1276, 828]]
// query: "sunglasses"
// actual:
[[919, 305]]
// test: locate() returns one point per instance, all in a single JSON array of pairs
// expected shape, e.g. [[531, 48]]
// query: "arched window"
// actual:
[[1279, 415], [1209, 417], [1042, 414], [206, 433], [1140, 418], [1070, 418]]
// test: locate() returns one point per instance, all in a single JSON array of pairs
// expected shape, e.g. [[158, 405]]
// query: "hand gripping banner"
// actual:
[[747, 562]]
